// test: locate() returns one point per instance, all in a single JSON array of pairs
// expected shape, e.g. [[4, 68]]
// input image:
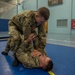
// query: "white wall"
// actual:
[[62, 11], [20, 7], [73, 15], [73, 10], [30, 4]]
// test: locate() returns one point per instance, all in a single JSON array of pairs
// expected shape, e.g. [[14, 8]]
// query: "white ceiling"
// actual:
[[8, 4], [12, 1]]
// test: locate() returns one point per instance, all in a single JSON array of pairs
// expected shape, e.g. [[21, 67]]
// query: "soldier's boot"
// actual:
[[15, 62], [4, 52]]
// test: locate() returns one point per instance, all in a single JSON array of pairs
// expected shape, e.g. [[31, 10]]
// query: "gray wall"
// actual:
[[62, 11], [30, 4], [73, 9], [73, 14]]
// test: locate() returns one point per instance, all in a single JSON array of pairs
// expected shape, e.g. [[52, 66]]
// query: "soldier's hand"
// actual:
[[35, 53], [31, 37], [4, 53]]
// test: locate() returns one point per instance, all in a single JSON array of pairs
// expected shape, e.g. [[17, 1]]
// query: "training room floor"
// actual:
[[61, 39], [60, 48]]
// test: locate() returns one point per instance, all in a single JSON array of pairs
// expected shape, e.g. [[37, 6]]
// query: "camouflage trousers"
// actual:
[[14, 37], [25, 57], [13, 32]]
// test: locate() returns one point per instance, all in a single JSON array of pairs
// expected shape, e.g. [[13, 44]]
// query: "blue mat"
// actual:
[[6, 67], [62, 56]]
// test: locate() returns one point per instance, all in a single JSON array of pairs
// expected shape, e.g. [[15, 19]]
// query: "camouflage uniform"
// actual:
[[24, 56], [23, 24], [24, 51], [12, 45], [41, 38]]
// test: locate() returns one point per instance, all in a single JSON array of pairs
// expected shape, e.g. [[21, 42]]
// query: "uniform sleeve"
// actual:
[[23, 23], [41, 37], [17, 44], [27, 60], [26, 28], [31, 62], [26, 33], [35, 41]]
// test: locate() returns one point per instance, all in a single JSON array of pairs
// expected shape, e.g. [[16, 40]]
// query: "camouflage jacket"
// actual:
[[25, 22], [23, 54]]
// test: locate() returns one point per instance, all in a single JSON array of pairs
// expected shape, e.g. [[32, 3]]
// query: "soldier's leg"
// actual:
[[16, 61], [14, 49], [35, 41], [5, 52], [15, 34]]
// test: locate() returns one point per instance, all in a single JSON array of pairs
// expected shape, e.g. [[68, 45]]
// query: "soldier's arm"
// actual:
[[35, 41], [26, 33], [17, 44], [41, 38], [26, 28]]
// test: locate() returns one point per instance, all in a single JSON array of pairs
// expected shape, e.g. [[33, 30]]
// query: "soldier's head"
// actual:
[[42, 15], [46, 63]]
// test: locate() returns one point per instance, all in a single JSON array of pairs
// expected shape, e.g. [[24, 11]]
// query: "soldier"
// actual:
[[33, 58], [25, 24], [13, 46]]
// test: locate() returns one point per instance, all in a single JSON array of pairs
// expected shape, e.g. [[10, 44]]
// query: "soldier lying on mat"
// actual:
[[34, 59]]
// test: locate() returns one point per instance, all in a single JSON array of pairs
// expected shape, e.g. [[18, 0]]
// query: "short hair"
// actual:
[[49, 66], [44, 12]]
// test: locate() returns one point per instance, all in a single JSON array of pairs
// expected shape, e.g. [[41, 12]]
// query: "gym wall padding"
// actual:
[[4, 25]]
